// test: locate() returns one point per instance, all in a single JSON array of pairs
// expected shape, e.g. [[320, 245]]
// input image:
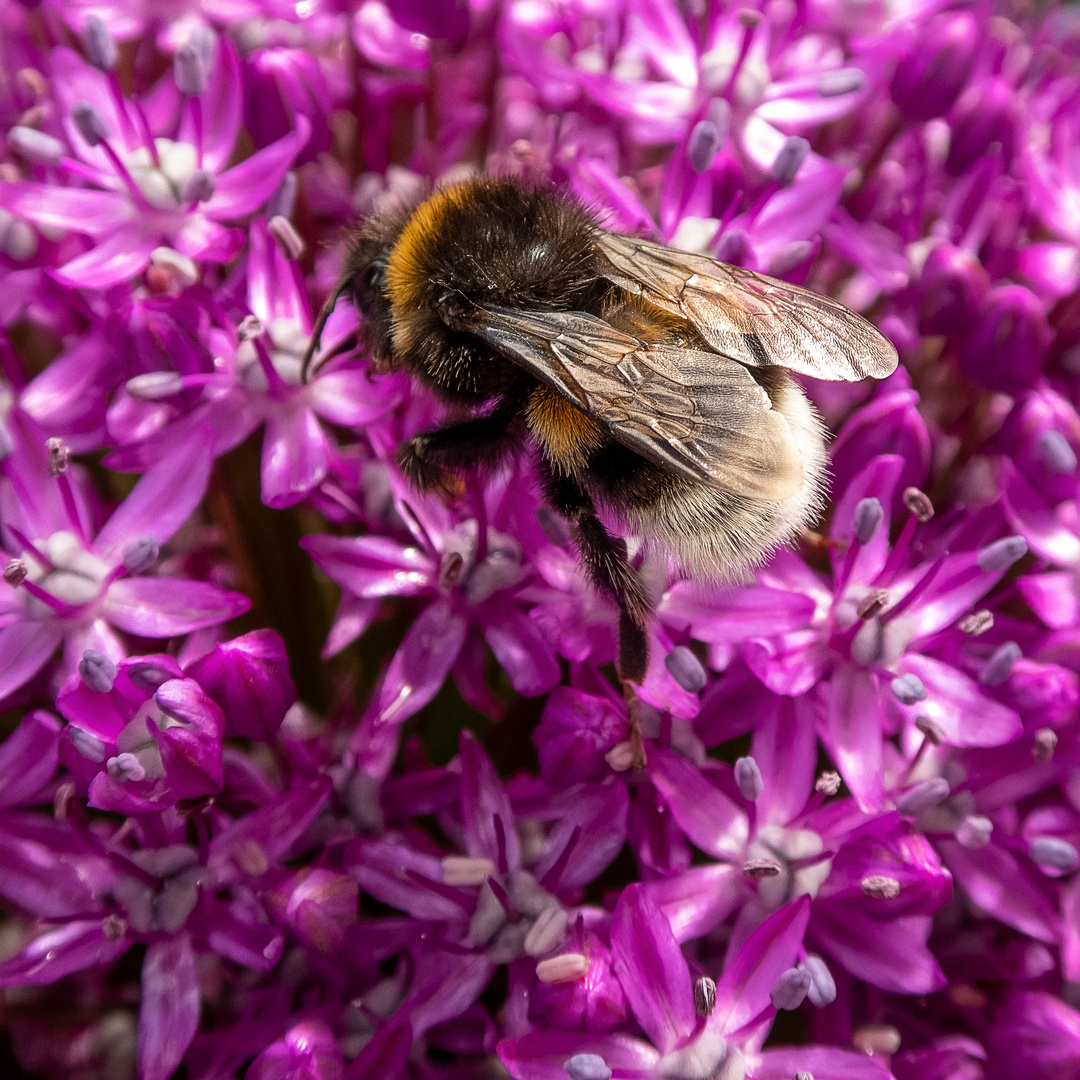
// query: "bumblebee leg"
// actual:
[[605, 562], [429, 460]]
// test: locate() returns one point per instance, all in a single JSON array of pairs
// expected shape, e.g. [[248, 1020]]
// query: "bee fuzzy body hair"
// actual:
[[714, 535]]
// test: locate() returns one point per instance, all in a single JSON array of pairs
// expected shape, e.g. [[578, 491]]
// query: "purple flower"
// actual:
[[74, 587]]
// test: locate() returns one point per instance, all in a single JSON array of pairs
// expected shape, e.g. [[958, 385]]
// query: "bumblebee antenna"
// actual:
[[316, 332]]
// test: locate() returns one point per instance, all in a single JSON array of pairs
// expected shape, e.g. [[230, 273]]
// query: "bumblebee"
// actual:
[[653, 382]]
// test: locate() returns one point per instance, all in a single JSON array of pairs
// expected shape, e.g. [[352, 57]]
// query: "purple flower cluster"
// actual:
[[835, 833]]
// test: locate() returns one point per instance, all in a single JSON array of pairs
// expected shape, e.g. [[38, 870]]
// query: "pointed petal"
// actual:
[[420, 665], [245, 187], [707, 816], [295, 457], [877, 480], [26, 647], [852, 733], [82, 210], [652, 969], [821, 1062], [371, 566], [162, 500], [785, 749], [524, 653], [202, 238], [742, 992], [540, 1055], [1054, 597], [483, 799], [28, 757], [169, 1011], [222, 105], [163, 607], [118, 257], [70, 948]]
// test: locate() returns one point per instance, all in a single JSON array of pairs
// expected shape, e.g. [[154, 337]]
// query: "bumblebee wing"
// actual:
[[695, 413], [754, 319]]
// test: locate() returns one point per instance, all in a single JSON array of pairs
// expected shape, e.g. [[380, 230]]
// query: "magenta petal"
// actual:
[[79, 209], [483, 801], [1036, 521], [889, 953], [852, 733], [169, 1010], [246, 186], [163, 499], [396, 875], [652, 969], [725, 615], [295, 457], [349, 397], [421, 664], [1054, 597], [707, 816], [309, 1051], [202, 238], [785, 751], [222, 106], [25, 647], [523, 651], [249, 679], [28, 758], [72, 947], [699, 899], [966, 715], [190, 738], [1036, 1036], [877, 480], [163, 607], [444, 986], [822, 1062], [594, 822], [995, 880], [742, 991], [351, 619], [540, 1054], [274, 828], [120, 256], [371, 566]]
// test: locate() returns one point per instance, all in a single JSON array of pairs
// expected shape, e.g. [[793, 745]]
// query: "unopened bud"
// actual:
[[932, 732], [587, 1067], [141, 554], [869, 515], [790, 989], [35, 146], [997, 557], [703, 144], [974, 832], [841, 81], [562, 969], [1054, 853], [880, 886], [189, 71], [923, 795], [748, 778], [90, 123], [908, 689], [97, 670], [1045, 744], [872, 604], [755, 869], [15, 573], [98, 44], [789, 160], [685, 668], [999, 666], [466, 870], [1055, 451], [286, 237], [977, 623], [918, 504], [704, 996], [198, 187], [876, 1039], [58, 456], [822, 990], [828, 783]]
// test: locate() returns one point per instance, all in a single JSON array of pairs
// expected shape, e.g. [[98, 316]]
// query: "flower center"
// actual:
[[163, 184], [76, 575]]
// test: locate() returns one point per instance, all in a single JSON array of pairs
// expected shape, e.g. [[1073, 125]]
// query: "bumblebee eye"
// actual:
[[375, 275]]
